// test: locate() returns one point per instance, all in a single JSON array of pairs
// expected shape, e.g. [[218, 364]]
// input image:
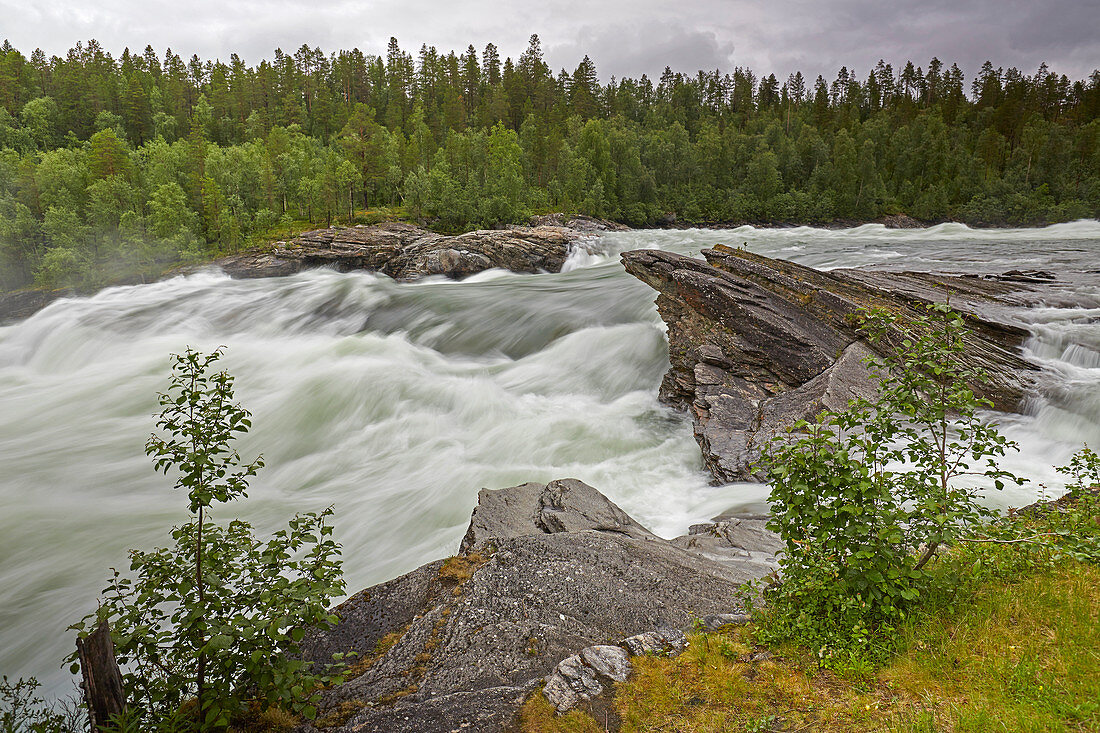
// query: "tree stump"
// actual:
[[103, 692]]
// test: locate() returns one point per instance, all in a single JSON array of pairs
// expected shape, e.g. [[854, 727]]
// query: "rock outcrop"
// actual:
[[407, 252], [757, 344], [546, 572], [578, 223], [25, 303]]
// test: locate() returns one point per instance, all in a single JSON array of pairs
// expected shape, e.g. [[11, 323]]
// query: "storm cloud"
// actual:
[[623, 37]]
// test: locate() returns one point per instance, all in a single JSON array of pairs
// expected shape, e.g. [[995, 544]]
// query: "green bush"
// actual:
[[863, 497], [212, 624], [22, 711]]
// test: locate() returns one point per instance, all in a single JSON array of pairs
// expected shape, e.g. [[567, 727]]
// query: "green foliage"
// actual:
[[863, 497], [217, 618], [1044, 536], [467, 144], [22, 711], [202, 420]]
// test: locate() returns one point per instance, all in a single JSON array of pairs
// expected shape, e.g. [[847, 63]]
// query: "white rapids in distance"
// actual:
[[397, 402]]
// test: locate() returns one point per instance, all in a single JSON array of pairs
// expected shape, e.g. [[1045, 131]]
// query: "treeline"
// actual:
[[129, 164]]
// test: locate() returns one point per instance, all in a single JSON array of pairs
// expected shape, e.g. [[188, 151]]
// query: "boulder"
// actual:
[[547, 572], [565, 505], [579, 223], [407, 252], [583, 676], [756, 344]]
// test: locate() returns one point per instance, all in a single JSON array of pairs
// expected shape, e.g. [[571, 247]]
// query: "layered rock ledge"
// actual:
[[546, 573], [407, 252], [757, 344]]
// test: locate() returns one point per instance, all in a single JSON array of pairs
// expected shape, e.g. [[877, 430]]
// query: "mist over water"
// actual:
[[397, 402]]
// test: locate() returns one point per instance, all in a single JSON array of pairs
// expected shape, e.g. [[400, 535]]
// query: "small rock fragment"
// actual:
[[661, 641]]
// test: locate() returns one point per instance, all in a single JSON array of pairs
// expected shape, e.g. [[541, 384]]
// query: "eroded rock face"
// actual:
[[407, 252], [458, 645], [757, 344]]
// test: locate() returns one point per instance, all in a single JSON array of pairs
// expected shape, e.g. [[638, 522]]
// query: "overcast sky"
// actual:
[[623, 37]]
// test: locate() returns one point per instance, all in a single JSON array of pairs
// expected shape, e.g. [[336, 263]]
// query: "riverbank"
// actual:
[[400, 250], [19, 304], [496, 380]]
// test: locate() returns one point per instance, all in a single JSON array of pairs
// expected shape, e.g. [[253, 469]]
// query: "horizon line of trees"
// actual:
[[133, 163]]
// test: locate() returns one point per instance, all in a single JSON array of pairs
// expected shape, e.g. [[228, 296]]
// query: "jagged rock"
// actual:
[[740, 542], [565, 505], [578, 677], [757, 344], [721, 620], [660, 641], [901, 221], [460, 644], [407, 252]]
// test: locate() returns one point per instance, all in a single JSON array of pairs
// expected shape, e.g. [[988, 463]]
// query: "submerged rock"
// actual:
[[547, 572], [757, 344], [407, 252]]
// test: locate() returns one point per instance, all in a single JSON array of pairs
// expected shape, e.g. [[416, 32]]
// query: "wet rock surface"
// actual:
[[757, 344], [407, 252], [25, 303], [460, 644]]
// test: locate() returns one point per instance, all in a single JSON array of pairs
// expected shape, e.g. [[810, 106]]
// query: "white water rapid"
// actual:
[[397, 402]]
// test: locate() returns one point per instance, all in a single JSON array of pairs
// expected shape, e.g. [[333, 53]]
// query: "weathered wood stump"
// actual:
[[103, 692]]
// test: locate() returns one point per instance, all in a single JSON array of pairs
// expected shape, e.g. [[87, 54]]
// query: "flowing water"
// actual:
[[397, 402]]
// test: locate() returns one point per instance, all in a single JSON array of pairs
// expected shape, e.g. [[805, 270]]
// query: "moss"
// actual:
[[457, 570], [339, 715], [382, 646], [538, 716], [395, 696]]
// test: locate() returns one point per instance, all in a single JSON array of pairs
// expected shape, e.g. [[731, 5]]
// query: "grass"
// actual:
[[1010, 642]]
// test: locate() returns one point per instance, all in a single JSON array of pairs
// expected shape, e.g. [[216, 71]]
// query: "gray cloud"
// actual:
[[633, 50], [623, 37]]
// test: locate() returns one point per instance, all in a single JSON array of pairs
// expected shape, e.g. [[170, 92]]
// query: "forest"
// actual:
[[117, 169]]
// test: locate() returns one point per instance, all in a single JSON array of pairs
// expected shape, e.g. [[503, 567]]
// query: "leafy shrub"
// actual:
[[863, 497], [212, 624], [1042, 536], [23, 711]]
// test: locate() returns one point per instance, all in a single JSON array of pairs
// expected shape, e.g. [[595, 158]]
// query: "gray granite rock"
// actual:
[[565, 505], [659, 641], [548, 572], [582, 676], [757, 344]]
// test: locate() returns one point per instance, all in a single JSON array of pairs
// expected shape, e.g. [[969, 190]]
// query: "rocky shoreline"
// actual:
[[555, 586], [407, 252], [553, 583]]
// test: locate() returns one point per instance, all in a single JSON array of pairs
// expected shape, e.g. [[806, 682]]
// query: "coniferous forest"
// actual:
[[125, 166]]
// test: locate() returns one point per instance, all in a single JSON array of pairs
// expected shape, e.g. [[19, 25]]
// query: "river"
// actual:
[[397, 402]]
